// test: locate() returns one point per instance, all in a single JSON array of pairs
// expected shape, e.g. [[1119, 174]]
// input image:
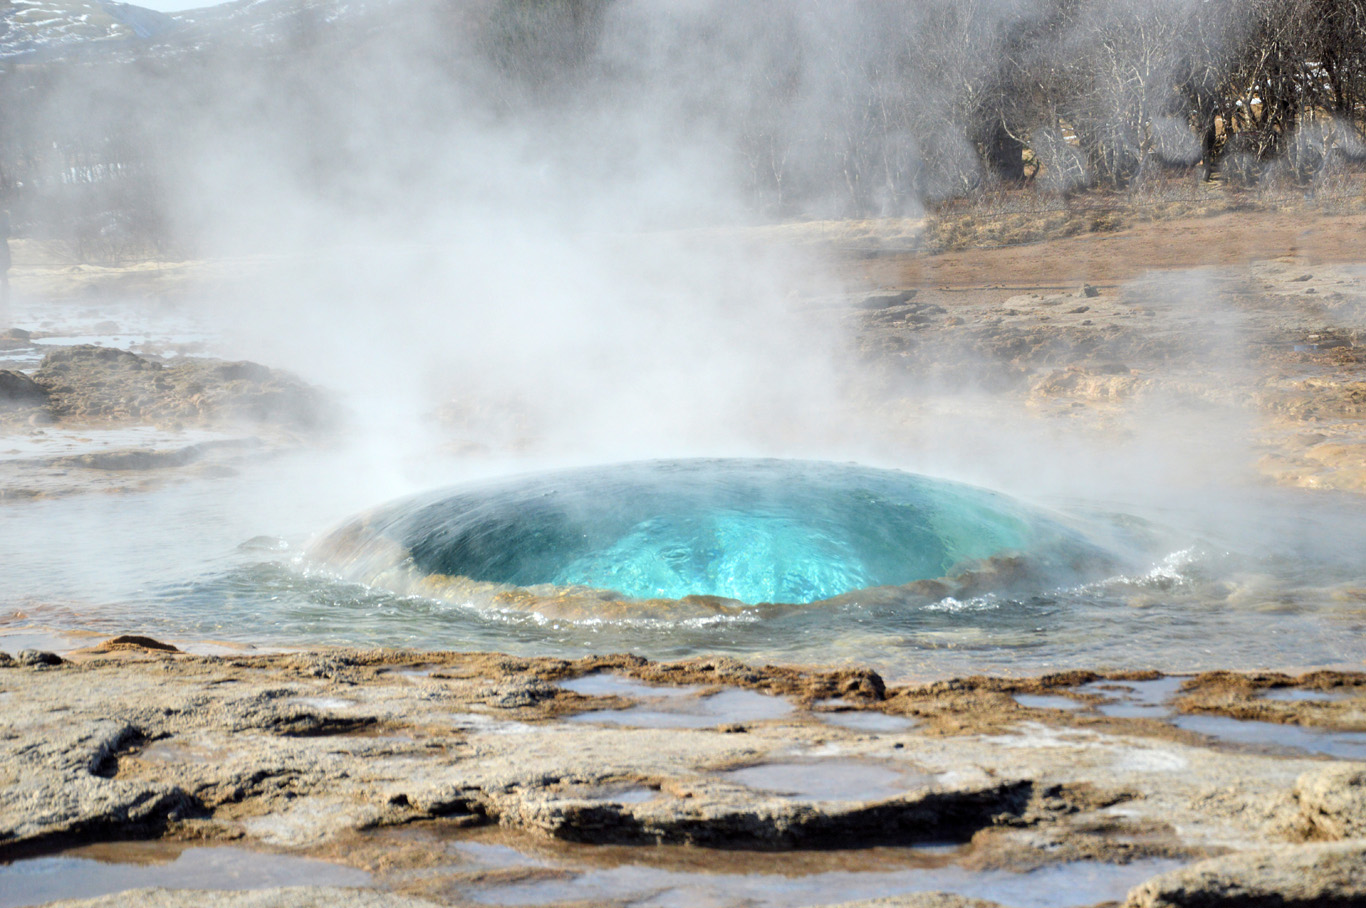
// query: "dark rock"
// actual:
[[85, 354], [18, 334], [243, 371], [104, 762], [304, 724], [1328, 340], [17, 389], [523, 694], [887, 300], [952, 815], [34, 657], [1090, 291], [136, 641]]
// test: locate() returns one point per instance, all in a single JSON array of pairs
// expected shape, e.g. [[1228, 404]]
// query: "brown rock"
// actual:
[[1292, 876], [97, 384], [1333, 802], [134, 642]]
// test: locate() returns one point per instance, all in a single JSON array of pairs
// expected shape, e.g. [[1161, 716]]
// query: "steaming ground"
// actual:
[[1213, 413]]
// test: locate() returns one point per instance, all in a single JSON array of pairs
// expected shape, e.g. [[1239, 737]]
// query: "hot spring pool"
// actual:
[[744, 531], [784, 561]]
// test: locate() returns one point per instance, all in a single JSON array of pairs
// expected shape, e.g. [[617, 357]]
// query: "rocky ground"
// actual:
[[240, 410], [381, 761], [452, 779], [1255, 321]]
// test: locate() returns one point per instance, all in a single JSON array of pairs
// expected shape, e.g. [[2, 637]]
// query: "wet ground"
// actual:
[[489, 870], [103, 869], [481, 779]]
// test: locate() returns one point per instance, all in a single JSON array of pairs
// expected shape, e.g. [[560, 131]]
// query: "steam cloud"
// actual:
[[525, 218]]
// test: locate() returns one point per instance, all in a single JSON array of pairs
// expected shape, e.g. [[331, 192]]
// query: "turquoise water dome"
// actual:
[[757, 531]]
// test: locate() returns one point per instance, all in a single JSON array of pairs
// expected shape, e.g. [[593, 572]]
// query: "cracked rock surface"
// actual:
[[346, 755]]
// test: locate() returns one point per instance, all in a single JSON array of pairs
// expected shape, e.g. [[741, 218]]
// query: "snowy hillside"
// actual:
[[35, 30], [30, 28]]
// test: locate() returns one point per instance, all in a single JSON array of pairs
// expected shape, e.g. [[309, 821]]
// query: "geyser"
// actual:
[[747, 531]]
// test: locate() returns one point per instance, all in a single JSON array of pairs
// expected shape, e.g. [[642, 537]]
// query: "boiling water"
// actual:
[[752, 531], [1097, 588]]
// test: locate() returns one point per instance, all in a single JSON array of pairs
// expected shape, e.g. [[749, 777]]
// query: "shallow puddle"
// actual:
[[606, 684], [179, 752], [1135, 699], [492, 856], [674, 707], [1059, 886], [43, 639], [1048, 701], [80, 874], [22, 359], [1299, 695], [475, 722], [1342, 744], [614, 794], [828, 780], [1152, 700], [868, 721]]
